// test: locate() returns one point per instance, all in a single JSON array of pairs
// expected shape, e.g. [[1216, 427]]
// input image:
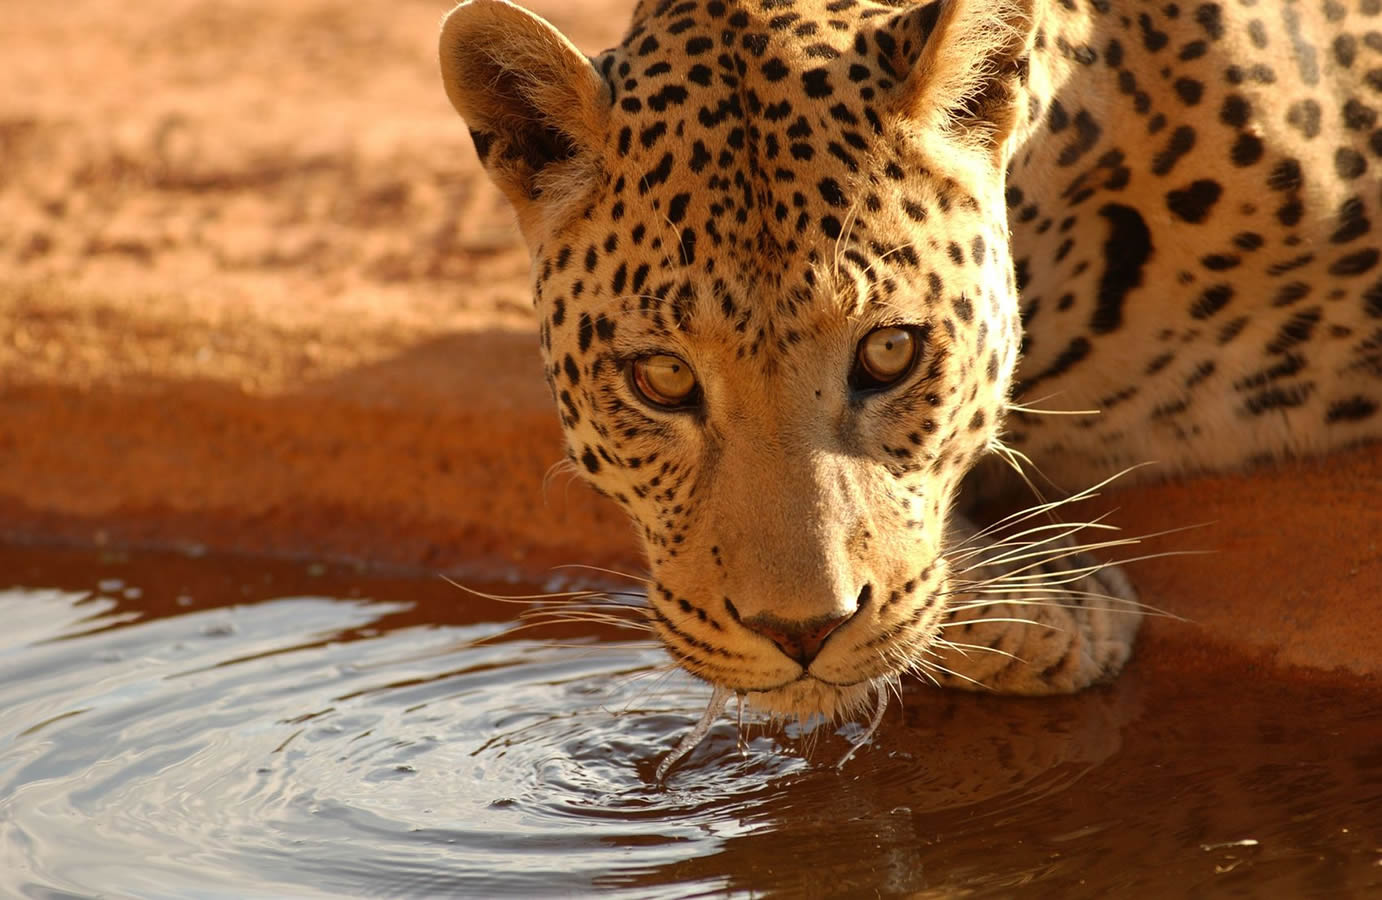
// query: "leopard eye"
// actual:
[[665, 381], [884, 356]]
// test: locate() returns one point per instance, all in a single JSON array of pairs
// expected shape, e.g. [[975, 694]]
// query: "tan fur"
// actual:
[[505, 69], [974, 41], [1118, 193]]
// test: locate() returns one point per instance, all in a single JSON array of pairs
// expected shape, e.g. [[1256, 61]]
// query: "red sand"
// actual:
[[255, 295]]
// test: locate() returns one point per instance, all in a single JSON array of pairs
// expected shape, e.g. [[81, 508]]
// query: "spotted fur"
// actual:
[[1161, 211]]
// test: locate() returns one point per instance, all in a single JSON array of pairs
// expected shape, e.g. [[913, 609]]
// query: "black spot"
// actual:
[[1193, 202], [1211, 301], [1345, 48], [831, 192], [757, 44], [604, 328], [676, 209], [1247, 149], [1193, 50], [1182, 140], [1290, 292], [1152, 39], [573, 372], [591, 461], [1304, 115], [647, 137], [1189, 90], [1304, 50], [1126, 251], [688, 246], [1372, 301], [1354, 263], [656, 175], [1296, 330], [585, 332], [817, 83], [1349, 163], [700, 157], [1353, 223], [775, 69], [1210, 18], [831, 226], [1353, 409], [1220, 262], [1286, 176], [1086, 136], [1358, 116], [1235, 111], [1073, 353], [1057, 119]]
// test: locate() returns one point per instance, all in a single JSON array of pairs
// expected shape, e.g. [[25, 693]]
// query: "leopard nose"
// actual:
[[800, 641]]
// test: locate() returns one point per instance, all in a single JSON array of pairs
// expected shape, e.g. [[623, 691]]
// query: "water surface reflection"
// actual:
[[174, 727]]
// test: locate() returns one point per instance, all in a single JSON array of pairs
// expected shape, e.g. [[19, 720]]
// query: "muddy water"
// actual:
[[176, 727]]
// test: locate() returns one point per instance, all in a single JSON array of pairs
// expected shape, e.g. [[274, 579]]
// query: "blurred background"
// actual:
[[256, 291]]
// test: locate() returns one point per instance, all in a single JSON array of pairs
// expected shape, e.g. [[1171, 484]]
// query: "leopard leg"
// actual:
[[1053, 624]]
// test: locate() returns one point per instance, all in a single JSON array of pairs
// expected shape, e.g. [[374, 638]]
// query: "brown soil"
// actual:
[[255, 295]]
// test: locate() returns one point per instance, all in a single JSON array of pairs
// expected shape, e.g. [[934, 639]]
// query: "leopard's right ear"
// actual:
[[536, 107]]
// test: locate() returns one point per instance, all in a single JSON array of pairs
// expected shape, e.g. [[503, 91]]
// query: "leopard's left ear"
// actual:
[[536, 107], [966, 63]]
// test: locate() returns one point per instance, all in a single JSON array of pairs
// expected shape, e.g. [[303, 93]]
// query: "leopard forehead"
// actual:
[[759, 185]]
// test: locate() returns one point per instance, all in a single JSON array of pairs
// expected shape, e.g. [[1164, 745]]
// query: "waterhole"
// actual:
[[189, 727]]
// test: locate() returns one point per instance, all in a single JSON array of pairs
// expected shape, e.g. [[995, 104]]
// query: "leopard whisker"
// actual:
[[1062, 529], [1016, 542], [937, 667], [1014, 458], [1026, 576], [566, 466], [1051, 554], [1120, 604], [629, 575], [1013, 620], [962, 648], [1031, 409], [1031, 512]]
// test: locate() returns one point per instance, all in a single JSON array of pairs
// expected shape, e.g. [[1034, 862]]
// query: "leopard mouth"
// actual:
[[809, 696]]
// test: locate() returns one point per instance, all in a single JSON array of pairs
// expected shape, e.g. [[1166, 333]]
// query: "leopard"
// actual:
[[812, 276]]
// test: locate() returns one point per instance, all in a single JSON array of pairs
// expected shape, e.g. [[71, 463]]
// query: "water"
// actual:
[[177, 727]]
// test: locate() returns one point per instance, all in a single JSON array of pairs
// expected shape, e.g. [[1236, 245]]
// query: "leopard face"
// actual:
[[777, 308]]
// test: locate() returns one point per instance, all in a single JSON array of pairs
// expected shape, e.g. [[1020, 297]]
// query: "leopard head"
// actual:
[[776, 303]]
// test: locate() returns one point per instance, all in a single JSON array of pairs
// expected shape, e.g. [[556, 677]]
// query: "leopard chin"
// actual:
[[809, 697]]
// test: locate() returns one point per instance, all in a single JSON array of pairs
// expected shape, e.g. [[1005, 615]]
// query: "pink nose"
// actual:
[[801, 641]]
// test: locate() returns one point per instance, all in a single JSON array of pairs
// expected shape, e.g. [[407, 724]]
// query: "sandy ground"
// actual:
[[256, 295]]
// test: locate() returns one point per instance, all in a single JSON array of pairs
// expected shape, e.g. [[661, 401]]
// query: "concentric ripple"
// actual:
[[168, 754], [179, 728]]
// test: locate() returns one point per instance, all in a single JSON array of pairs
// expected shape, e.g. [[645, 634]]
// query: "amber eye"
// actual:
[[663, 380], [884, 356]]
